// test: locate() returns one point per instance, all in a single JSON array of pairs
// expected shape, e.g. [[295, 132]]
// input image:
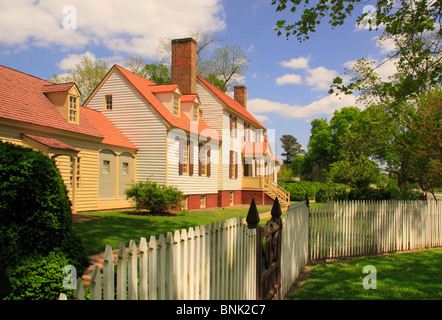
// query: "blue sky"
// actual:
[[287, 81]]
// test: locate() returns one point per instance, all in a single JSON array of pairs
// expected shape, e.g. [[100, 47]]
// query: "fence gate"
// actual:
[[268, 252]]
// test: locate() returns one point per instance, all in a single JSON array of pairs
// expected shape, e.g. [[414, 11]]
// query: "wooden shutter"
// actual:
[[209, 160], [231, 164], [200, 169], [190, 158], [236, 165], [180, 165]]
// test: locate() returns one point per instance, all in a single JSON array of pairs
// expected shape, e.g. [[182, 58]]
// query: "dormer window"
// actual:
[[176, 105], [108, 102], [195, 113], [73, 109]]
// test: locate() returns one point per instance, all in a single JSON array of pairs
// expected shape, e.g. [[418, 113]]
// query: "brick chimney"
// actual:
[[240, 95], [184, 64]]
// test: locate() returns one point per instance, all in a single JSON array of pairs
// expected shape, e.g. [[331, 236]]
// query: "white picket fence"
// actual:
[[215, 261], [211, 262], [352, 228], [294, 246], [218, 261]]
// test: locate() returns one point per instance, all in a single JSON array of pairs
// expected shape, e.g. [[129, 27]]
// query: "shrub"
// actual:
[[35, 211], [154, 197], [38, 277]]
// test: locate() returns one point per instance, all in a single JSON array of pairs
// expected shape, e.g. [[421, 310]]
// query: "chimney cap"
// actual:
[[183, 40]]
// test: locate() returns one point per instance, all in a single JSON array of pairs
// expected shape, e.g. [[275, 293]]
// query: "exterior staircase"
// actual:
[[273, 190]]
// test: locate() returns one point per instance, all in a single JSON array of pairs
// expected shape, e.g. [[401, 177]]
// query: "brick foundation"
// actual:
[[259, 196]]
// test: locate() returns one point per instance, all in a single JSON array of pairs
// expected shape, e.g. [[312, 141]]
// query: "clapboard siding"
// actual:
[[137, 120], [212, 108], [234, 144], [193, 184]]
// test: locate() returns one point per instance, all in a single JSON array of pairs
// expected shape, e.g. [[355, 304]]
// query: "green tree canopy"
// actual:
[[87, 75], [291, 148]]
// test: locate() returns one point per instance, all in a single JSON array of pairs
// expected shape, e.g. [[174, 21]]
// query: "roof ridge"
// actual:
[[26, 74], [223, 96]]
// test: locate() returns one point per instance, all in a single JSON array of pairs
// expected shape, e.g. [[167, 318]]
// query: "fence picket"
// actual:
[[169, 267], [162, 269], [143, 266], [122, 272], [108, 274], [152, 275], [95, 284]]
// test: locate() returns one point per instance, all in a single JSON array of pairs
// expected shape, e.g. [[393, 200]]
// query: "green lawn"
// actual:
[[401, 276], [114, 227]]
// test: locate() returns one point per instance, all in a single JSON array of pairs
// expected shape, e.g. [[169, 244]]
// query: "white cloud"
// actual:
[[296, 63], [72, 59], [133, 29], [289, 79], [321, 78], [327, 105]]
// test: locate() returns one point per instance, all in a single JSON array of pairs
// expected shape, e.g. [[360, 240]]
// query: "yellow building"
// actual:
[[95, 159]]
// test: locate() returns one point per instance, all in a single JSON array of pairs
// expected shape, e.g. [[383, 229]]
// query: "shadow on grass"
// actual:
[[122, 226]]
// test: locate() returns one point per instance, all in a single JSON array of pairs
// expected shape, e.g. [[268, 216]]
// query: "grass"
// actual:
[[414, 275], [114, 227]]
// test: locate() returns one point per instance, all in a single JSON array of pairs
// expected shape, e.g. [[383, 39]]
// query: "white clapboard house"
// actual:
[[191, 135]]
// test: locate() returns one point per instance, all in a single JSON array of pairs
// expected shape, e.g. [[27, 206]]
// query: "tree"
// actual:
[[87, 75], [413, 26], [135, 64], [356, 172], [291, 148], [319, 155], [157, 72], [391, 129]]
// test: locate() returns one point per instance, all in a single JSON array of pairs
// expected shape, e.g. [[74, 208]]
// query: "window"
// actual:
[[233, 165], [73, 109], [195, 113], [108, 99], [185, 202], [176, 105], [186, 158], [233, 126], [204, 160], [125, 168], [232, 198], [203, 202], [78, 178], [106, 166], [247, 133]]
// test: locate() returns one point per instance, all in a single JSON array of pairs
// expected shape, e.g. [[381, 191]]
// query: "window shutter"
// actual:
[[231, 164], [180, 163], [236, 165], [200, 169], [209, 160], [190, 157], [231, 125]]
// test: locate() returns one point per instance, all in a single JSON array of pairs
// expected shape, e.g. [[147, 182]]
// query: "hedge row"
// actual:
[[323, 192]]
